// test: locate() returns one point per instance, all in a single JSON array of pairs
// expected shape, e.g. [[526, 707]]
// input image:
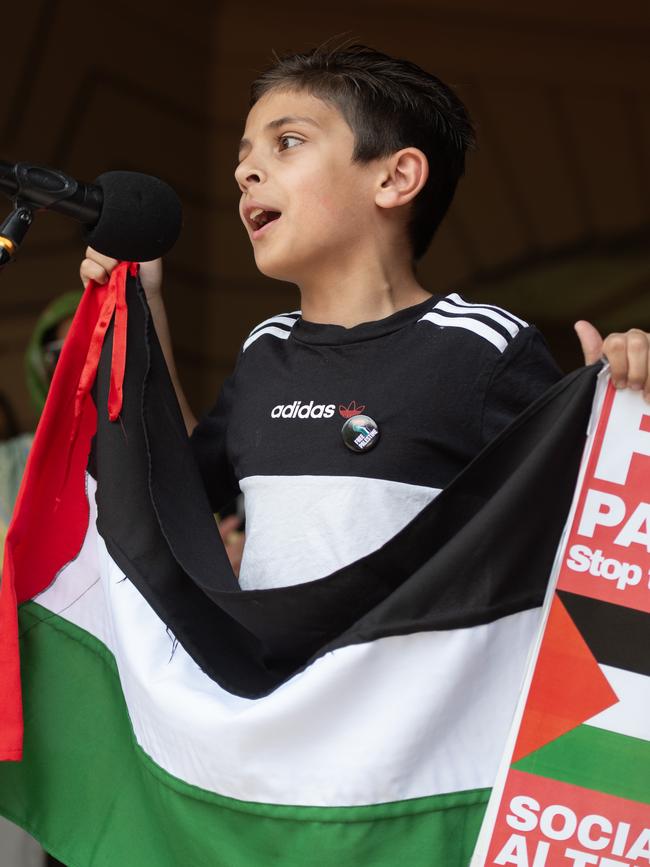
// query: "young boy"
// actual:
[[343, 420]]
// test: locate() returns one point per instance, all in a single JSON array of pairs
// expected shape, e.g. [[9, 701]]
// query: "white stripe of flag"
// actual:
[[631, 715]]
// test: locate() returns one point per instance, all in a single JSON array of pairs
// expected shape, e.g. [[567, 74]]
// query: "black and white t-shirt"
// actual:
[[439, 379]]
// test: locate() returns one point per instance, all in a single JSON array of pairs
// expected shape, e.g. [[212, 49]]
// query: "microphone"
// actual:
[[127, 215]]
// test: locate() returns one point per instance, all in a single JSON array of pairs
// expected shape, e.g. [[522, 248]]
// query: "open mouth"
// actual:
[[260, 218]]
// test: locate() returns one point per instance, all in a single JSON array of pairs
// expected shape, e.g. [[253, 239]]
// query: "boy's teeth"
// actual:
[[261, 217]]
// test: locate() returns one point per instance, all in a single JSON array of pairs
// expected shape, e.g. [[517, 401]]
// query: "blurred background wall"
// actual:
[[552, 219]]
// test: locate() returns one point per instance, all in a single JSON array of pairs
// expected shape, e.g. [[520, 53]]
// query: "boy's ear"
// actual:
[[404, 174]]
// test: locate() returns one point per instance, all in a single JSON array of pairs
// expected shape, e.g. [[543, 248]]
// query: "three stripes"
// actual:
[[493, 324], [453, 312]]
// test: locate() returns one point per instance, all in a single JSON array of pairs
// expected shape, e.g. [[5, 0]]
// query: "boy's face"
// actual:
[[296, 161]]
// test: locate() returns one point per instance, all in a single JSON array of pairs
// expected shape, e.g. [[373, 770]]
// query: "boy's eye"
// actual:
[[283, 139]]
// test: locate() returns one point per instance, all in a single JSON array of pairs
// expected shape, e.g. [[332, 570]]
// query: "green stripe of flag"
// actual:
[[596, 759], [92, 797]]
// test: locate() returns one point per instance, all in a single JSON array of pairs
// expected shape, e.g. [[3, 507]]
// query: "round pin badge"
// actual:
[[360, 433]]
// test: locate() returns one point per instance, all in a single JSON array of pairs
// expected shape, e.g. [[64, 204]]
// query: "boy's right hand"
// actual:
[[98, 267]]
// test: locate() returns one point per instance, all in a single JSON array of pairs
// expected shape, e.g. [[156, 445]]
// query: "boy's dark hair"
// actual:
[[389, 104]]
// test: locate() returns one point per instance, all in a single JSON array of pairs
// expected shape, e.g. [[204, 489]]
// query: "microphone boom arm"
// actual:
[[40, 187], [33, 188]]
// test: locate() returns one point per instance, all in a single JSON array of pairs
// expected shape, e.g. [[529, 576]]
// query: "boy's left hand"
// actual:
[[628, 355]]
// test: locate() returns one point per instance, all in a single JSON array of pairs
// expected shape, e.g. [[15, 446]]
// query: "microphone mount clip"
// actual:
[[13, 230]]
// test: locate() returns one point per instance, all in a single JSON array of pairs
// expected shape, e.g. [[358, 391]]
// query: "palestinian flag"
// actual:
[[576, 787], [172, 719]]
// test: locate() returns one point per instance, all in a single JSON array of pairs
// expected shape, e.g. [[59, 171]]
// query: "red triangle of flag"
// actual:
[[568, 686]]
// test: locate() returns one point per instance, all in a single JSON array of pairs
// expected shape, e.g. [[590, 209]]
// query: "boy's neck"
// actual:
[[347, 297]]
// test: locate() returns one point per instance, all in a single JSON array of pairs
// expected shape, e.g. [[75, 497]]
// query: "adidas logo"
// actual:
[[298, 409], [351, 409]]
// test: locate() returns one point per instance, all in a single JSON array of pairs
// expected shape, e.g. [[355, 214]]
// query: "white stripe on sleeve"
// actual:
[[455, 297], [271, 329], [279, 319], [480, 328], [488, 313]]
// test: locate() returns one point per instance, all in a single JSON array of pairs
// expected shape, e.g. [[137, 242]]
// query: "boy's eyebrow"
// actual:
[[281, 121]]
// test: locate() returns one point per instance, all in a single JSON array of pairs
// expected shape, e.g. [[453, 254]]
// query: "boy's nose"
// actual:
[[245, 175]]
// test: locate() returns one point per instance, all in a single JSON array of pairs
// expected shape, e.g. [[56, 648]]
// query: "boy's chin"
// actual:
[[278, 268]]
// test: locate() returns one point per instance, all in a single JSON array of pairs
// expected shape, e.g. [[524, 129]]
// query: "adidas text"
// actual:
[[298, 409]]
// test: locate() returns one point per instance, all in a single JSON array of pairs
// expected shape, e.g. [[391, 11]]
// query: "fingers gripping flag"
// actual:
[[171, 718]]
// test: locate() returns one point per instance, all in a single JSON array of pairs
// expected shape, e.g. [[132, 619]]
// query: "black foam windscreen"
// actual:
[[140, 220]]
